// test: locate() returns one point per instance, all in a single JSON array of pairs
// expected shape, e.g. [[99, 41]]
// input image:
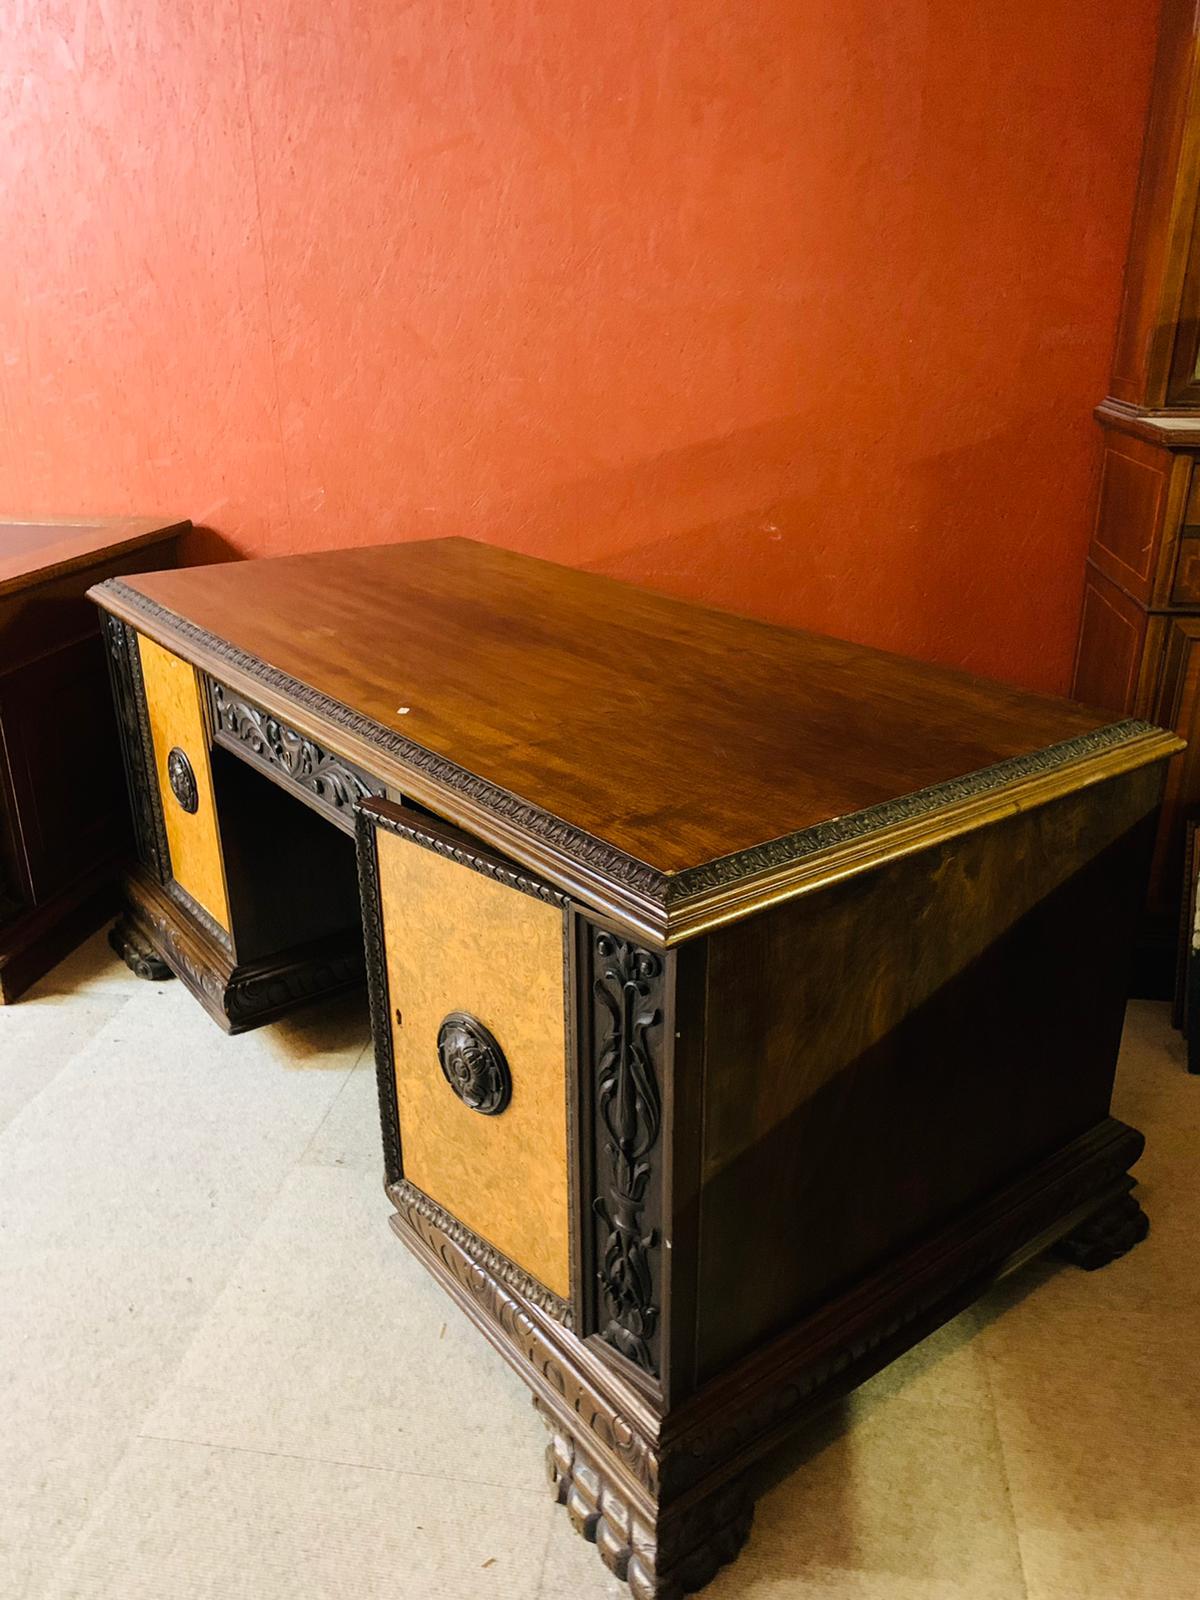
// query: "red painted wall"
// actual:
[[798, 306]]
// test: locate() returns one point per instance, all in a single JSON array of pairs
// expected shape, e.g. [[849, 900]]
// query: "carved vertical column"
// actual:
[[622, 1032], [129, 700]]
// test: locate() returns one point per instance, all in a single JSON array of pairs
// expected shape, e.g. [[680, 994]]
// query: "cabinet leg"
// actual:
[[663, 1554], [1107, 1234], [136, 951]]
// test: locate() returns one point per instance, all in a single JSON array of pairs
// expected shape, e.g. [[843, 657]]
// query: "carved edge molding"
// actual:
[[660, 889], [581, 846], [511, 876], [625, 1032], [793, 847], [673, 1556], [137, 746], [238, 997], [199, 914], [253, 995], [505, 1271], [513, 1326], [266, 741], [377, 995]]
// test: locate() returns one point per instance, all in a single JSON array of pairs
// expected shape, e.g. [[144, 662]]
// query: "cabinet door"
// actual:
[[184, 775], [471, 958]]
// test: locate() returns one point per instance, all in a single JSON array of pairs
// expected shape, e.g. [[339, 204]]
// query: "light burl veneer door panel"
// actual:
[[173, 700], [459, 942]]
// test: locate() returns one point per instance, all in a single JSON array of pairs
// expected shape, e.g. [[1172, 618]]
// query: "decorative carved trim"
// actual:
[[204, 981], [182, 780], [407, 1196], [625, 1027], [137, 746], [473, 1064], [328, 783], [254, 994], [512, 1323], [239, 997], [377, 994], [532, 819], [660, 890], [136, 951], [199, 914], [793, 847], [511, 876], [1106, 1235], [664, 1559]]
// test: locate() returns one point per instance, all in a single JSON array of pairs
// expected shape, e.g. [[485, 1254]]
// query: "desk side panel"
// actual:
[[884, 1053]]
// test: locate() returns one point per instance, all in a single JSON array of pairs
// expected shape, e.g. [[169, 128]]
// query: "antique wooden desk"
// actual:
[[745, 1002], [63, 817]]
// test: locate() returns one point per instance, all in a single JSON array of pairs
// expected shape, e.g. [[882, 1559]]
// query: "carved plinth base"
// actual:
[[1106, 1235], [136, 951], [664, 1558], [156, 932], [663, 1491]]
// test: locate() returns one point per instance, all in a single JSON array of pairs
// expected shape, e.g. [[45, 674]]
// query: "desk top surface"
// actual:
[[670, 733], [32, 552]]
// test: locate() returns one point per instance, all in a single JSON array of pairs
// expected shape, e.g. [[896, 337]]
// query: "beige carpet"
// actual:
[[221, 1376]]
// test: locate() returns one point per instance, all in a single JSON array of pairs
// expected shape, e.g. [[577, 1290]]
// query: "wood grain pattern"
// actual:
[[1112, 630], [676, 733], [457, 941], [34, 552], [177, 719], [982, 1038], [1163, 217]]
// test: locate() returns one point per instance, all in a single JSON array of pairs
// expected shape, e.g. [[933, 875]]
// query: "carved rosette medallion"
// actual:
[[473, 1064], [627, 984], [182, 780]]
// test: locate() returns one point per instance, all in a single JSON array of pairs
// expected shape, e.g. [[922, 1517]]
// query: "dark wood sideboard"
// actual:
[[745, 1002], [63, 814]]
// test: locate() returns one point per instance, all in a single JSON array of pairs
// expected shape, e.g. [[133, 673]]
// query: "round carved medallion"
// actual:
[[182, 780], [473, 1064]]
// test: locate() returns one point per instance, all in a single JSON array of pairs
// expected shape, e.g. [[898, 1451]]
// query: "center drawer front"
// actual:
[[176, 715], [459, 944]]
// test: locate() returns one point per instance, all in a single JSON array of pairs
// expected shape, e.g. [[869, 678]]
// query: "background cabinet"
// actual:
[[1141, 608], [64, 816]]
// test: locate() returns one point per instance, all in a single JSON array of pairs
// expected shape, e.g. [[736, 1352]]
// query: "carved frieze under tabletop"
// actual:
[[744, 1002], [325, 781]]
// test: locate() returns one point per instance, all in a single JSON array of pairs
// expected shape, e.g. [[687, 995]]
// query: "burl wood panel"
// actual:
[[457, 941], [606, 705], [981, 1037], [177, 719]]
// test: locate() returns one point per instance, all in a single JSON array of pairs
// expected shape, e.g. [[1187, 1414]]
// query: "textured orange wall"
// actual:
[[799, 306]]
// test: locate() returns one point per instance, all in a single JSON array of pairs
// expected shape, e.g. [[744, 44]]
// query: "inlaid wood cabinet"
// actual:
[[1142, 587]]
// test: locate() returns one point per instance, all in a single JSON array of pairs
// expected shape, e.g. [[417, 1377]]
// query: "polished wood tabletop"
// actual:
[[675, 732], [33, 552]]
